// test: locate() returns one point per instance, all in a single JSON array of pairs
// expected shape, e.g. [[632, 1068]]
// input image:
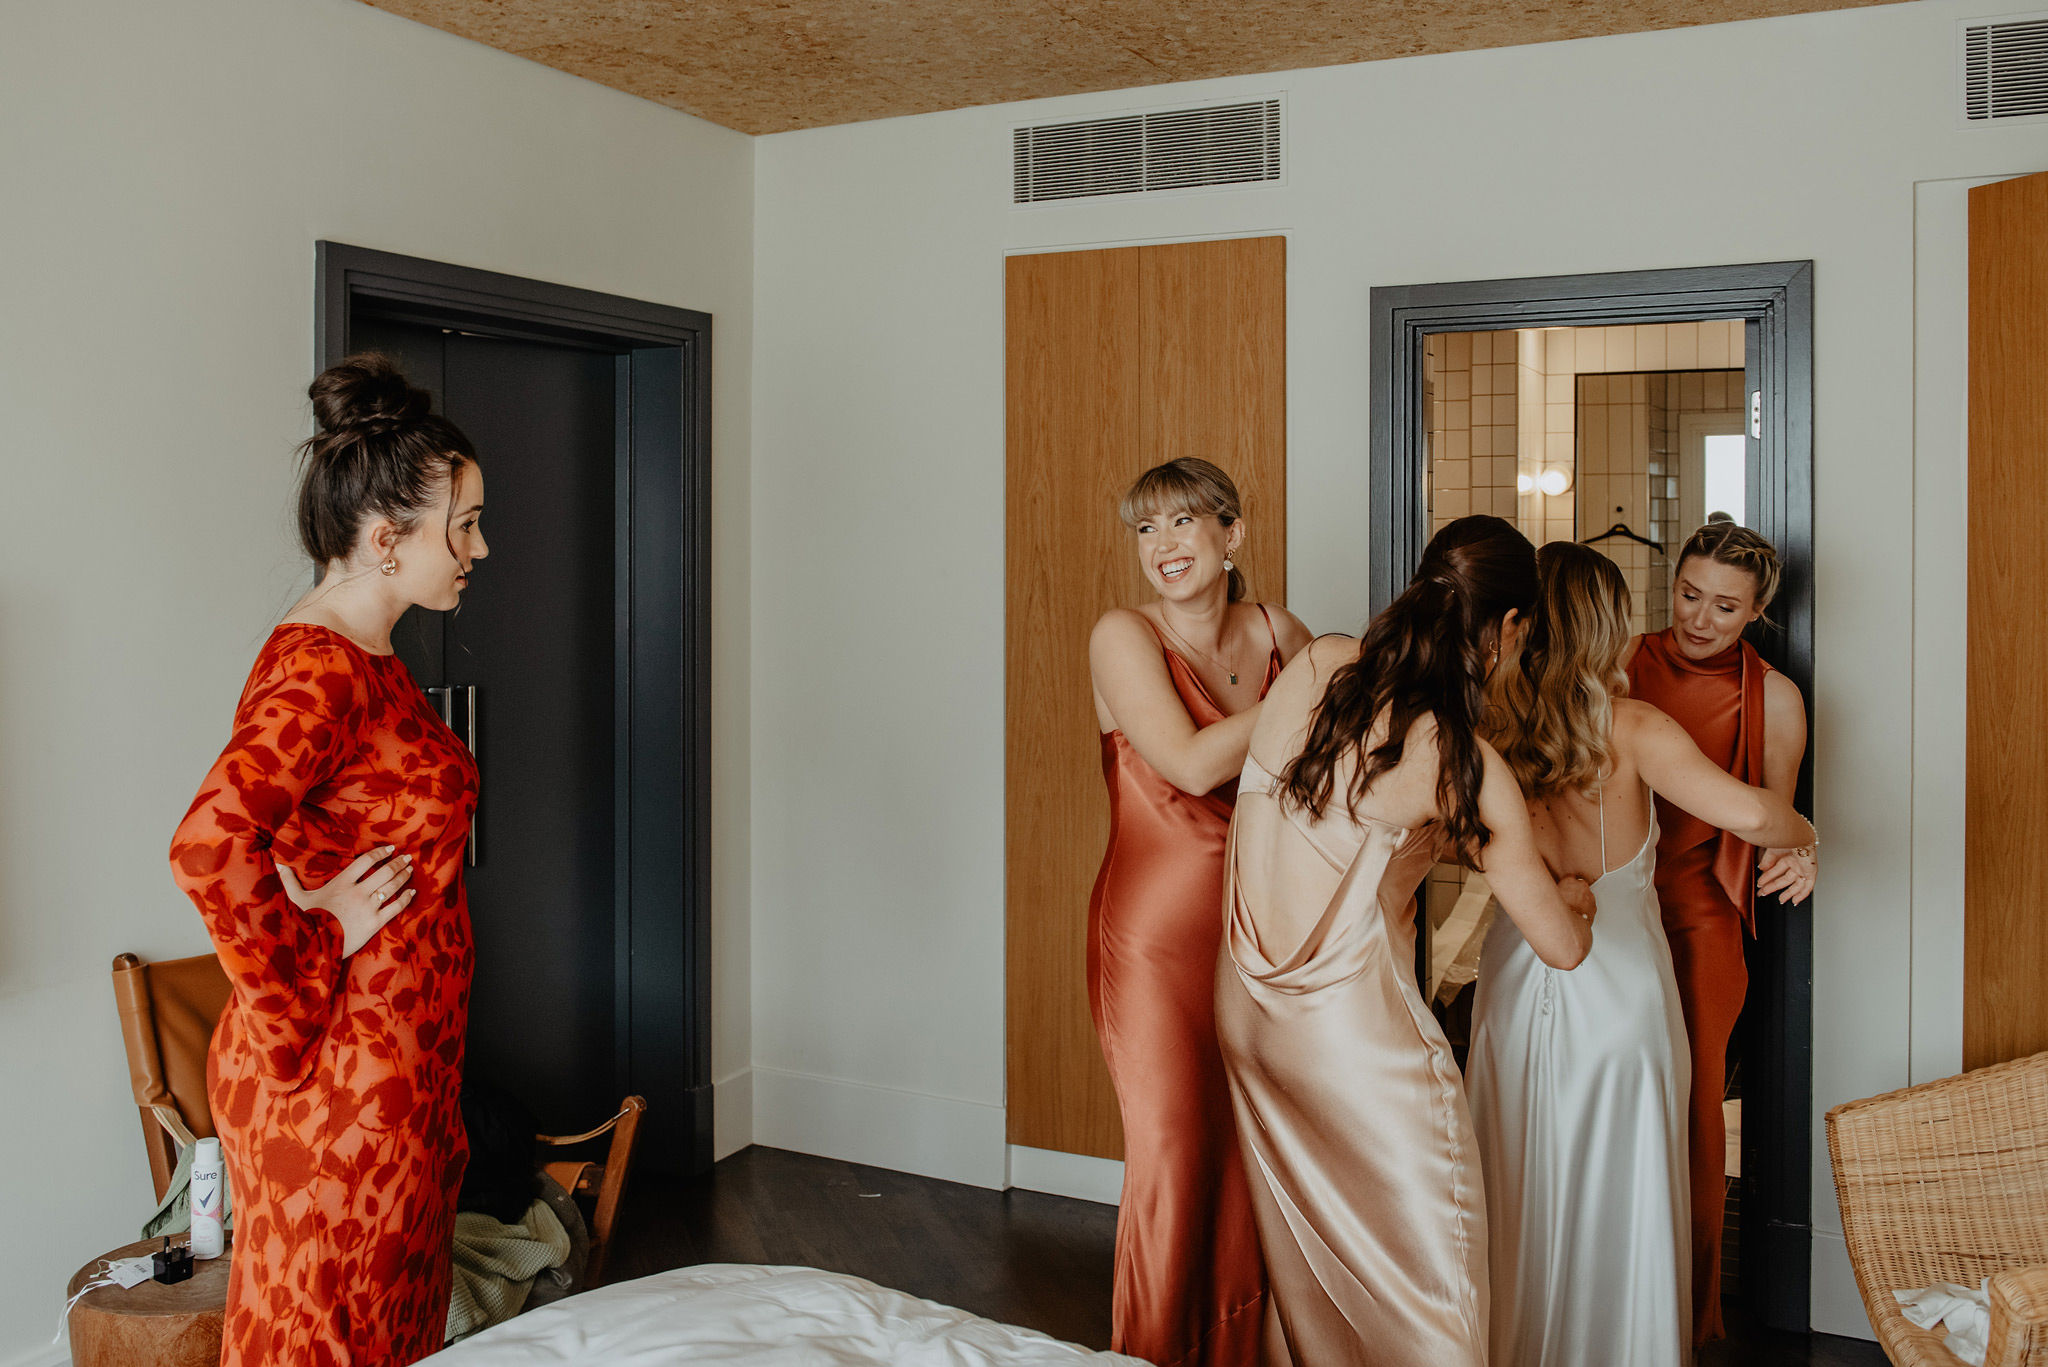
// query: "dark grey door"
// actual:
[[533, 645]]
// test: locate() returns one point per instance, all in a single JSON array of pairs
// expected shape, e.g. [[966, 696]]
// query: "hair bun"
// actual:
[[365, 394]]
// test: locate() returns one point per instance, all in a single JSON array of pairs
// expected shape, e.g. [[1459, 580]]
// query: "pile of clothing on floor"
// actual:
[[520, 1241]]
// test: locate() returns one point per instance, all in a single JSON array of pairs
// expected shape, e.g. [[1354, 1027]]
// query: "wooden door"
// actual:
[[1117, 360], [2005, 933]]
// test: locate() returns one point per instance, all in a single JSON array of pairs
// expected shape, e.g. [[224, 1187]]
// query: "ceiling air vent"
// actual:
[[1128, 154], [2005, 69]]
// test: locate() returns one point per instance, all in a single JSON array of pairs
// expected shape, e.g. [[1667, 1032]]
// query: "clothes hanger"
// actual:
[[1622, 529]]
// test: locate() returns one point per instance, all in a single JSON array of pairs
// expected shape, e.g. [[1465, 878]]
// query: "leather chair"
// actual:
[[168, 1011]]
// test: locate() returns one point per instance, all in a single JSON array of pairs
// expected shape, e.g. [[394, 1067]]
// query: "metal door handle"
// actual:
[[444, 703], [469, 731]]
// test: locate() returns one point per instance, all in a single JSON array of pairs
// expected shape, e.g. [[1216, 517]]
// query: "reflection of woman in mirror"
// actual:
[[1365, 765], [1579, 1084], [1178, 682], [1751, 721], [324, 853]]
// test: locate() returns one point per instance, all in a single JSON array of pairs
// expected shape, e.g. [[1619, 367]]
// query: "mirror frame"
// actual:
[[1776, 299]]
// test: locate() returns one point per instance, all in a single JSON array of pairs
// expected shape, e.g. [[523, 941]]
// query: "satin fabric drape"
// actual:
[[1706, 890], [1357, 1141], [1579, 1084], [1190, 1287]]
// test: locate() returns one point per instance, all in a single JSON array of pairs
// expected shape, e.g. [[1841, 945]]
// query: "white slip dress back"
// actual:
[[1578, 1082]]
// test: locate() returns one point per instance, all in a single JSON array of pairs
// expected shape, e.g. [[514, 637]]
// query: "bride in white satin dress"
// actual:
[[1578, 1082]]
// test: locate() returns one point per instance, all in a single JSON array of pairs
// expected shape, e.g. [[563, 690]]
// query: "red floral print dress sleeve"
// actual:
[[299, 721]]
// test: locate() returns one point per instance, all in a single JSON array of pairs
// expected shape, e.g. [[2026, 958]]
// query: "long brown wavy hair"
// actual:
[[1554, 718], [1426, 654]]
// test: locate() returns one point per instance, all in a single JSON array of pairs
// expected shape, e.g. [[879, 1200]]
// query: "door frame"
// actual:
[[662, 639], [1693, 431], [1776, 300]]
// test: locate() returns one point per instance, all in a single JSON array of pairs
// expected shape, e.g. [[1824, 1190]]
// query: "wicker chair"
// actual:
[[1948, 1182]]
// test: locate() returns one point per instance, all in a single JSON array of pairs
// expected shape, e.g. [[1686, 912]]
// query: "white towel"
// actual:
[[1967, 1314]]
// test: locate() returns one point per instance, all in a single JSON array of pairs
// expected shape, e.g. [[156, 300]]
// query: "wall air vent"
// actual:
[[1129, 154], [2005, 69]]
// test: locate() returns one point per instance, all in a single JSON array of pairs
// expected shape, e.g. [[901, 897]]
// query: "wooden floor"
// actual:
[[1017, 1256]]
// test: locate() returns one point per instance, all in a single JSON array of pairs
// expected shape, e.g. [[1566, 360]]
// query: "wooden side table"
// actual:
[[151, 1325]]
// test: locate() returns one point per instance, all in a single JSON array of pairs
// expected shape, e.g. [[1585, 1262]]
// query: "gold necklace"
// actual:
[[1191, 648]]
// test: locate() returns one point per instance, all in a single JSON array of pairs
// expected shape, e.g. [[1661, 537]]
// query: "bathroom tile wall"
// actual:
[[1615, 422], [1471, 383]]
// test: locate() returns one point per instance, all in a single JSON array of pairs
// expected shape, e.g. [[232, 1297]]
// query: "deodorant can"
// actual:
[[209, 1179]]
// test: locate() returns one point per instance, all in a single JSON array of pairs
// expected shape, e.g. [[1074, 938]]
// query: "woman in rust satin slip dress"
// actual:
[[335, 1070], [1177, 686], [1750, 720]]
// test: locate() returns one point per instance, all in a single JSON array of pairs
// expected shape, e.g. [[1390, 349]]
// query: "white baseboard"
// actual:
[[49, 1355], [932, 1136], [1067, 1174], [732, 1114], [1837, 1306]]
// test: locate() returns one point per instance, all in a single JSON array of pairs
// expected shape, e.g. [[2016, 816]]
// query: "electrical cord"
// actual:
[[121, 1272]]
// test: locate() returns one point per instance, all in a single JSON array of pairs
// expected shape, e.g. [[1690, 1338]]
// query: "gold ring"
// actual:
[[380, 898]]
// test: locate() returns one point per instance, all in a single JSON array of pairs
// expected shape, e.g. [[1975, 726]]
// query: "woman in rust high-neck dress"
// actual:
[[1177, 686], [1750, 720], [324, 853]]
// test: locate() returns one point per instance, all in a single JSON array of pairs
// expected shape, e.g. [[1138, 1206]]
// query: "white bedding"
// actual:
[[786, 1316]]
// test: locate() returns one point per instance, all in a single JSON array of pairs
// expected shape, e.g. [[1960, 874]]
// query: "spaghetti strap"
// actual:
[[1271, 634], [1600, 795]]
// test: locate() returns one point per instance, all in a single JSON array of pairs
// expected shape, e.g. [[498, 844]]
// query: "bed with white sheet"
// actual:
[[785, 1316]]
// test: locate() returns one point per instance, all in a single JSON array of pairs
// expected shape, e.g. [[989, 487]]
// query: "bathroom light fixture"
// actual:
[[1525, 484], [1554, 480]]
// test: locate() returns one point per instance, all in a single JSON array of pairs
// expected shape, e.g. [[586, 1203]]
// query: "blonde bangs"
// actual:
[[1187, 485]]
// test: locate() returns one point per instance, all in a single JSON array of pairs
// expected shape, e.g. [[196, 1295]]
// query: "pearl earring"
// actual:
[[1228, 564], [390, 566]]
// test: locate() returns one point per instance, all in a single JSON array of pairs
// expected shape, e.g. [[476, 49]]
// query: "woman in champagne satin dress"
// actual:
[[1177, 685], [1579, 1082], [1366, 763], [1751, 721]]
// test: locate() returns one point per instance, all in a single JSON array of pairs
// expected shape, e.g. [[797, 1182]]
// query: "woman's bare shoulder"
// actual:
[[1634, 712], [1780, 691], [1288, 632], [1294, 695], [1332, 651], [1121, 627], [1643, 728]]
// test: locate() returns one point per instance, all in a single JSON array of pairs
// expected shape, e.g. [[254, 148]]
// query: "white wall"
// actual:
[[167, 168], [880, 553]]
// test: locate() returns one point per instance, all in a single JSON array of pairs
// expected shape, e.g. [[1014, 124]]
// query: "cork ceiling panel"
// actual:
[[764, 66]]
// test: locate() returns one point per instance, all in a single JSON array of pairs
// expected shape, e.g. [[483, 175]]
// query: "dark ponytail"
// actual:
[[380, 452], [1426, 654]]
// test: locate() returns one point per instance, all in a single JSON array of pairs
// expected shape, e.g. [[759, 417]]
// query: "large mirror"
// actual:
[[1624, 438]]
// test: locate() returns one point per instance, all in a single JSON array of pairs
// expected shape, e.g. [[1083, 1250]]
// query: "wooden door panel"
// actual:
[[1115, 360], [1213, 323], [2005, 927]]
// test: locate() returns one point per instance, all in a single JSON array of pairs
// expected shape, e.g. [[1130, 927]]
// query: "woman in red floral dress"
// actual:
[[324, 852]]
